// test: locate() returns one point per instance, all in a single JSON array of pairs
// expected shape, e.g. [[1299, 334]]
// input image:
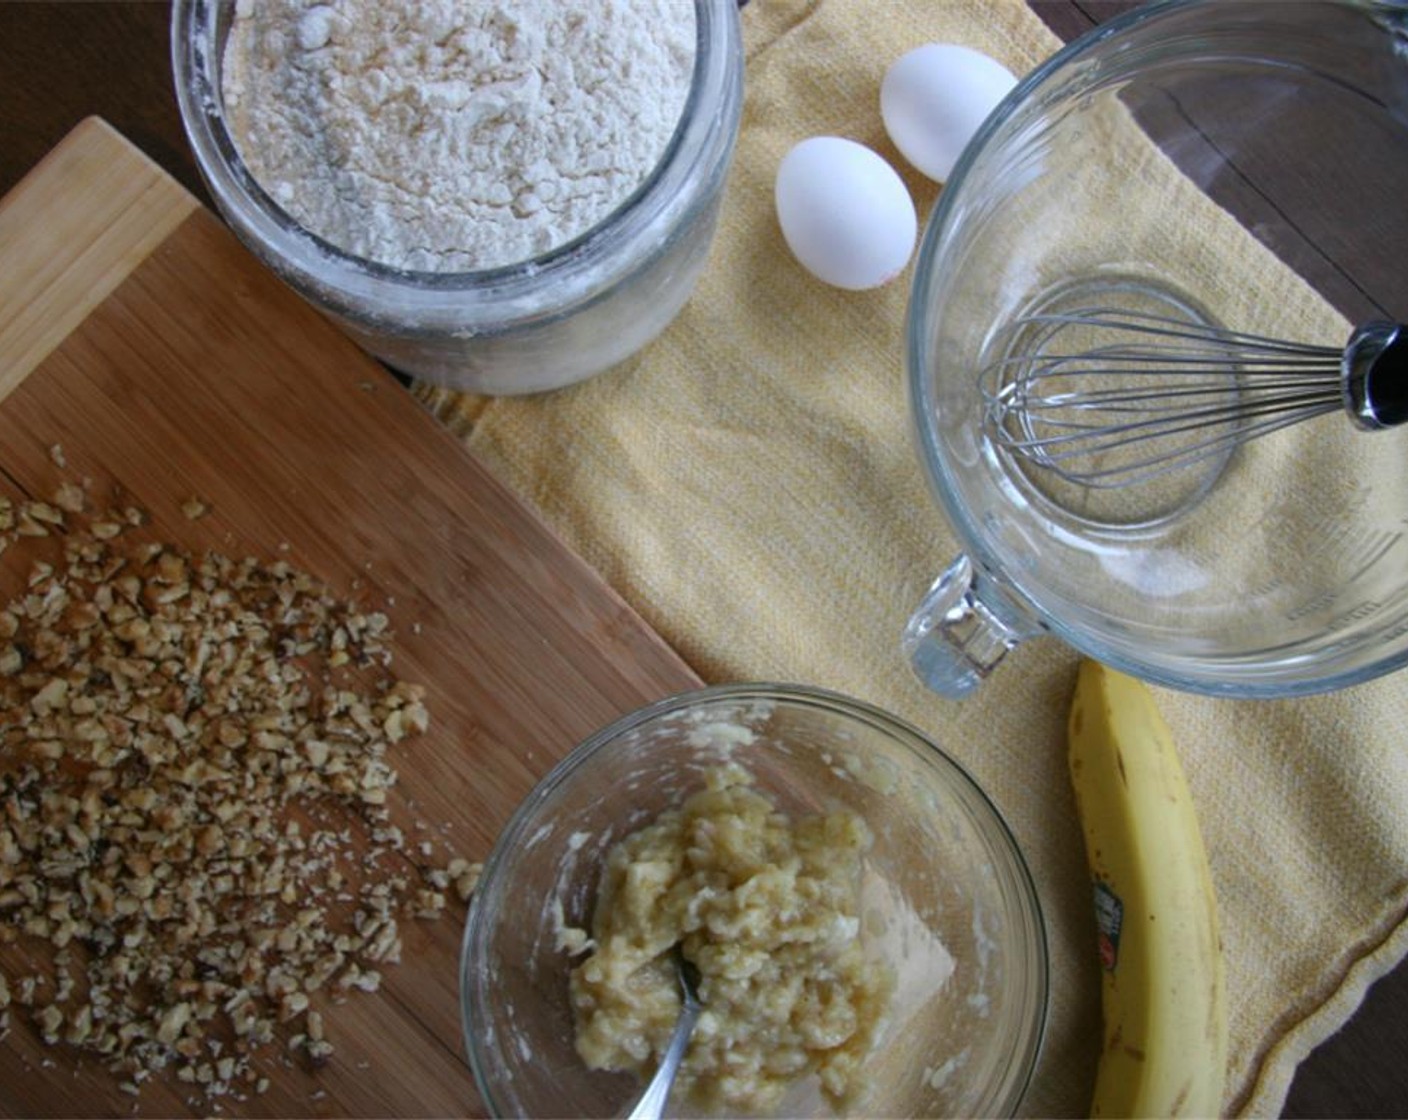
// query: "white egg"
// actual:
[[845, 213], [934, 98]]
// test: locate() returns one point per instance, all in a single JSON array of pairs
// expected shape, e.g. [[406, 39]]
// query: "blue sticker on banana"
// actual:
[[1109, 917]]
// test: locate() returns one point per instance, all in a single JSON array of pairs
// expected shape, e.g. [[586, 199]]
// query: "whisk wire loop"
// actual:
[[1109, 397]]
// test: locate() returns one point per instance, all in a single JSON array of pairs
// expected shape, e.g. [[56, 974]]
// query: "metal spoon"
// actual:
[[651, 1105]]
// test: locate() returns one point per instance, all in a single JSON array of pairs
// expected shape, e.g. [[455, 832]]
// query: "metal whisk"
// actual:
[[1106, 397]]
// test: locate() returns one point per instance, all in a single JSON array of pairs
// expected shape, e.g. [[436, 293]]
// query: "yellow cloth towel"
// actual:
[[749, 484]]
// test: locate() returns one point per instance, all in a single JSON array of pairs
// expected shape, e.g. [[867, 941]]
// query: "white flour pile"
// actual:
[[451, 135]]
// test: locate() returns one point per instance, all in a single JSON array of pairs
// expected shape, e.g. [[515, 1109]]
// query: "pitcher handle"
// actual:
[[961, 631]]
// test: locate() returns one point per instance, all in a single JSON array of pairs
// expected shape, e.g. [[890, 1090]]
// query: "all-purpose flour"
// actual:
[[450, 135]]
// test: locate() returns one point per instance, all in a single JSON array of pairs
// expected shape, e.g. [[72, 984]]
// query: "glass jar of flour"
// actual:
[[480, 200]]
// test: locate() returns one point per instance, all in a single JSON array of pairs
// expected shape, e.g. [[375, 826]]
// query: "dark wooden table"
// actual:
[[62, 61]]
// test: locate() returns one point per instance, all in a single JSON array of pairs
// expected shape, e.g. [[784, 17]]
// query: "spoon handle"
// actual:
[[651, 1105]]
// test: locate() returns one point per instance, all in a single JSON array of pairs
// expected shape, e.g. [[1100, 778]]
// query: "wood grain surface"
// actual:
[[192, 371], [62, 61]]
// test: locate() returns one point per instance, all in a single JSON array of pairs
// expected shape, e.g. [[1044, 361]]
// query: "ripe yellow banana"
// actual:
[[1165, 1017]]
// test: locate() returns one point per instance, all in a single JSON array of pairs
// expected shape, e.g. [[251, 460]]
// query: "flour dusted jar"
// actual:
[[499, 198]]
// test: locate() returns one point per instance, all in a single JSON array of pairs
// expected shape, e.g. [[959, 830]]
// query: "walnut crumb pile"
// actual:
[[195, 842]]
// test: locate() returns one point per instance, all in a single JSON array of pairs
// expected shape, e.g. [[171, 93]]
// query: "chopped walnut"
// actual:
[[69, 497], [195, 779], [465, 876]]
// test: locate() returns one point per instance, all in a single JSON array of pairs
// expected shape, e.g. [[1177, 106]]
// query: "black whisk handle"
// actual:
[[1376, 375]]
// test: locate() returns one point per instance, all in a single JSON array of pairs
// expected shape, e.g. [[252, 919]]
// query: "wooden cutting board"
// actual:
[[141, 338]]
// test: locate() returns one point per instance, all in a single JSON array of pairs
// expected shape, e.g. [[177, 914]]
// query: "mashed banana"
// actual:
[[767, 907]]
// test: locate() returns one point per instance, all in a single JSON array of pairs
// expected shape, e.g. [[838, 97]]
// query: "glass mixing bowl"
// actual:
[[1217, 161], [536, 325], [944, 878]]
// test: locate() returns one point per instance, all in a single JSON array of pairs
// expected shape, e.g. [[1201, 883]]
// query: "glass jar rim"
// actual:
[[545, 286]]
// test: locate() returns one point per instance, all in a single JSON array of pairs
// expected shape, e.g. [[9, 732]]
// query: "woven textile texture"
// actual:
[[750, 485]]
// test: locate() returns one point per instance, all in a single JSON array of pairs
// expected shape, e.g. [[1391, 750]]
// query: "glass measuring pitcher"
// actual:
[[1234, 164]]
